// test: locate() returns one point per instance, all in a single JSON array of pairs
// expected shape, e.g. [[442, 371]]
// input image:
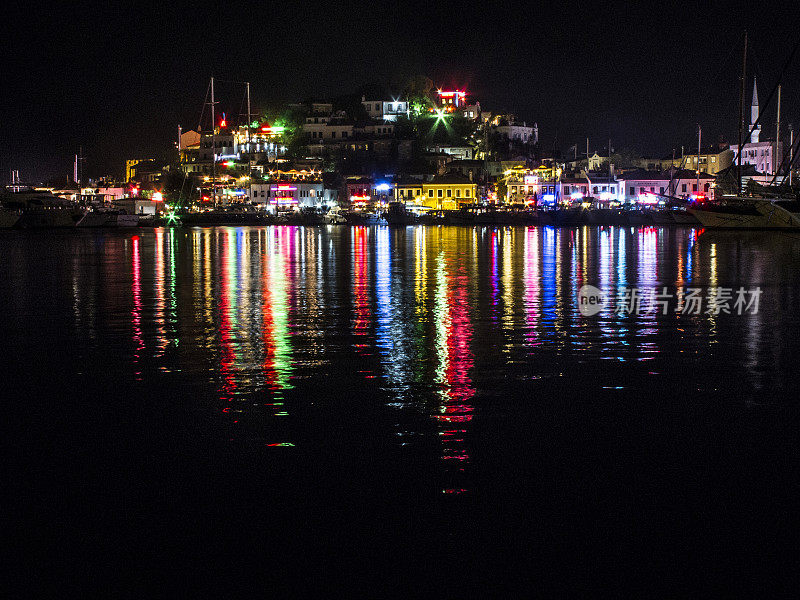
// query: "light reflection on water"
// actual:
[[275, 328]]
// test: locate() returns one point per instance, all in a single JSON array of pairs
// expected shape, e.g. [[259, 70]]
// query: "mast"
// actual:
[[741, 119], [791, 154], [249, 150], [777, 133], [80, 173], [697, 172], [213, 148]]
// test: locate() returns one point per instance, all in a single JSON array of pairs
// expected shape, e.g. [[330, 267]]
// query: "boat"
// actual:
[[571, 216], [108, 218], [311, 216], [662, 217], [38, 209], [463, 216], [749, 213], [682, 217], [399, 215], [225, 217], [357, 217], [9, 218], [638, 217], [494, 217]]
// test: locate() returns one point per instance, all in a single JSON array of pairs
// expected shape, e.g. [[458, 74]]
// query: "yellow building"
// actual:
[[410, 192], [520, 183], [448, 192], [130, 167]]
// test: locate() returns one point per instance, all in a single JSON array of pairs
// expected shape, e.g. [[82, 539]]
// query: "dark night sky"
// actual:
[[119, 80]]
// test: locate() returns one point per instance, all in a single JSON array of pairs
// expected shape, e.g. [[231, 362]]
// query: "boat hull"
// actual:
[[8, 219], [761, 214]]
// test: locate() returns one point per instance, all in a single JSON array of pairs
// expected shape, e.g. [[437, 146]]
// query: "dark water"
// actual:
[[431, 396]]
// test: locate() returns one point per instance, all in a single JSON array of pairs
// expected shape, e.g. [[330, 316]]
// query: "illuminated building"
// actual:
[[448, 192], [451, 100], [518, 133], [136, 166], [458, 152], [600, 188], [522, 184], [384, 110], [409, 191], [649, 186], [359, 192]]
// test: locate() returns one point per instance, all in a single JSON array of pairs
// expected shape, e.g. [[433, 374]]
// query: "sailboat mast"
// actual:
[[249, 150], [697, 172], [213, 148], [741, 119], [775, 158]]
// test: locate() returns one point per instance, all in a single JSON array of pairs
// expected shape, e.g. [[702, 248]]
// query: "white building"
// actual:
[[519, 133], [459, 152], [386, 110], [292, 194]]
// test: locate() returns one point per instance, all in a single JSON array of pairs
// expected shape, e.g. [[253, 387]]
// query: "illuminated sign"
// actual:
[[157, 197], [530, 179]]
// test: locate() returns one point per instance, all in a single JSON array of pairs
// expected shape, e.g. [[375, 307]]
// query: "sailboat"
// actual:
[[749, 212]]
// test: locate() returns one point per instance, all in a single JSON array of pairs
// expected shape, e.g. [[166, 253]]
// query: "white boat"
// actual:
[[125, 220], [108, 218], [750, 213]]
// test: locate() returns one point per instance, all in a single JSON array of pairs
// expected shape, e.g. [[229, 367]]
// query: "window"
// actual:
[[458, 193], [713, 159], [466, 195], [694, 187], [430, 193], [377, 107], [333, 134], [662, 190], [449, 193], [683, 187], [344, 134], [439, 193]]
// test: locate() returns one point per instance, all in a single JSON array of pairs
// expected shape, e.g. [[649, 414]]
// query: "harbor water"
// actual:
[[430, 395]]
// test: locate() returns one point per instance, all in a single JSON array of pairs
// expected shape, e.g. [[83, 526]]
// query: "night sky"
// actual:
[[119, 80]]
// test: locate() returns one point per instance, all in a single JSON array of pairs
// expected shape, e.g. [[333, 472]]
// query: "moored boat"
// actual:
[[398, 214], [749, 213], [9, 218]]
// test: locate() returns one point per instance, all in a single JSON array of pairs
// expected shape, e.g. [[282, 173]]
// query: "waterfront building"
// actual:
[[523, 185], [292, 194], [409, 190], [448, 192], [650, 186], [601, 186]]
